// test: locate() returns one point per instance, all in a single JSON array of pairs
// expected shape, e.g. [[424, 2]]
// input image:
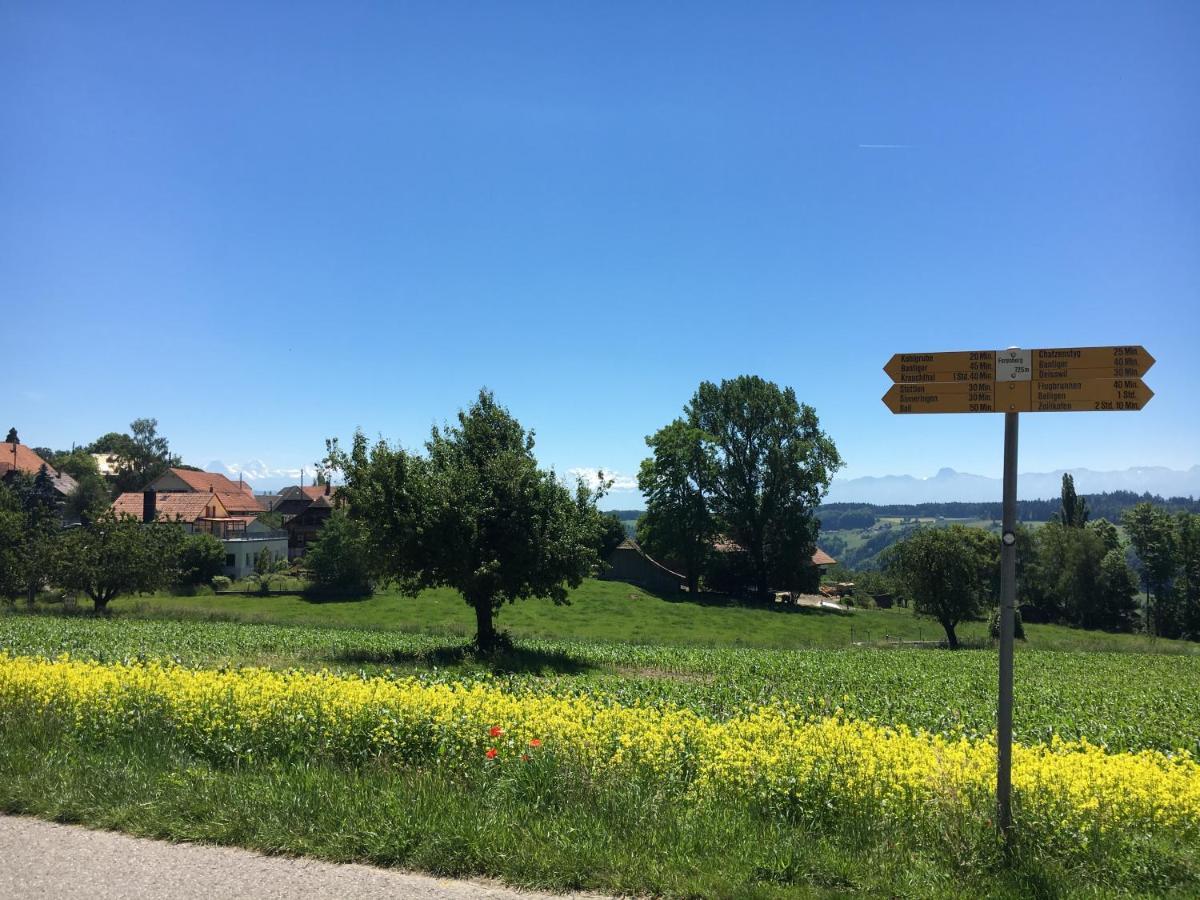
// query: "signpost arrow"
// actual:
[[958, 397], [1090, 395], [1091, 362], [965, 365], [1049, 364]]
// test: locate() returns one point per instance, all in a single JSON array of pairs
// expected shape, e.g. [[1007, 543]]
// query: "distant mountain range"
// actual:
[[944, 487], [948, 485]]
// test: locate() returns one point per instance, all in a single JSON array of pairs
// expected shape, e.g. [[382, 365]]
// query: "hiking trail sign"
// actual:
[[1013, 381], [1061, 379]]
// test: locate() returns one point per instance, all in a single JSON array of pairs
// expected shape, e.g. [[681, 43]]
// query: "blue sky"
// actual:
[[265, 224]]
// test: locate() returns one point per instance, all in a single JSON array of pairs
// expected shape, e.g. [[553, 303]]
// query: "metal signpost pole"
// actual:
[[1008, 597]]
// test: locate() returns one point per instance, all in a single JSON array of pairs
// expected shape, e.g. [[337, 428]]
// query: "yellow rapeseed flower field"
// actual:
[[776, 755]]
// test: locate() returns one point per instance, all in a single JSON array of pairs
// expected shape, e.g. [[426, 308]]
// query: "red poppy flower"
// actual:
[[535, 742], [491, 753], [495, 731]]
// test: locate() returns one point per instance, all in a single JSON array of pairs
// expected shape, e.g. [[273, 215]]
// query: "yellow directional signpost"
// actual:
[[1013, 381]]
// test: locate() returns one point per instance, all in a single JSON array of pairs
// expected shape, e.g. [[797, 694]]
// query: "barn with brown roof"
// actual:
[[630, 563]]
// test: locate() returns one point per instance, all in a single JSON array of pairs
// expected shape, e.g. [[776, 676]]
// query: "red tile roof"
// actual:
[[185, 506], [211, 482], [234, 496], [240, 502], [23, 459]]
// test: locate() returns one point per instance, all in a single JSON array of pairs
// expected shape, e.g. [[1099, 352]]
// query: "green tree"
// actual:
[[13, 579], [115, 556], [475, 514], [677, 523], [1107, 532], [1073, 512], [87, 501], [339, 561], [41, 521], [201, 559], [1187, 581], [1152, 534], [1067, 566], [945, 572], [612, 535], [12, 437], [139, 457], [1115, 608], [772, 465], [77, 463]]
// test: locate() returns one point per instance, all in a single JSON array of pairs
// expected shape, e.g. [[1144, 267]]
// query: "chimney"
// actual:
[[149, 505]]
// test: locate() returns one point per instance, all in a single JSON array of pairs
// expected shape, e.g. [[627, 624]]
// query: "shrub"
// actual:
[[994, 625], [221, 583], [201, 558], [338, 561]]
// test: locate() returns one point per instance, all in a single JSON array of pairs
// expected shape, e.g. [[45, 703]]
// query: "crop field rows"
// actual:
[[1120, 701]]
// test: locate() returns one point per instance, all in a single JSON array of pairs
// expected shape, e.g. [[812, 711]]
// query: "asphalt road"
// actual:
[[66, 862]]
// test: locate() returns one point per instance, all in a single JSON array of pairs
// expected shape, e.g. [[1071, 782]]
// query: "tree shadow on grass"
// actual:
[[510, 661], [319, 597]]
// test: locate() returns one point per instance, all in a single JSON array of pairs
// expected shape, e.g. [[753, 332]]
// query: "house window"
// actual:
[[230, 560], [249, 559]]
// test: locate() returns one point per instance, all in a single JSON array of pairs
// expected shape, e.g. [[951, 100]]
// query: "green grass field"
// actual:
[[614, 611], [1123, 692]]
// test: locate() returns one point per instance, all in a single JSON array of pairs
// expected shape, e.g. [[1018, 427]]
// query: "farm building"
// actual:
[[629, 563]]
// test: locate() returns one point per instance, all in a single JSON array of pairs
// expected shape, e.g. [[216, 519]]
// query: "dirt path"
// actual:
[[68, 862]]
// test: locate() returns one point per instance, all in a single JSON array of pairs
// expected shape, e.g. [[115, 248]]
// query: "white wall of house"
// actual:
[[240, 553]]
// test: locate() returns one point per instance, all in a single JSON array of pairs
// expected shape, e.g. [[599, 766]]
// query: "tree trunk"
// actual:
[[761, 585], [101, 605], [951, 637], [485, 631], [759, 561], [693, 576]]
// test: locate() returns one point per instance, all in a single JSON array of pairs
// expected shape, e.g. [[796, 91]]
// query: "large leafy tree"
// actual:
[[677, 523], [115, 556], [772, 465], [946, 573], [475, 514]]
